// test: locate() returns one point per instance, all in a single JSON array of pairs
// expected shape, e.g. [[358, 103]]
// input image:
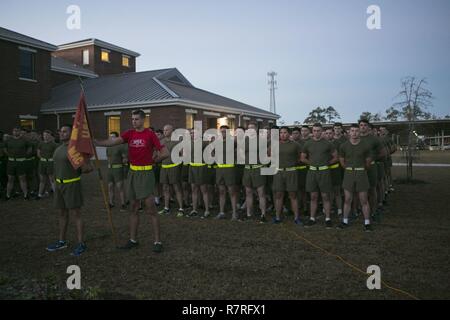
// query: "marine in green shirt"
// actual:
[[355, 157], [377, 152], [286, 179], [45, 151], [319, 154], [117, 157], [17, 150], [68, 196], [170, 174]]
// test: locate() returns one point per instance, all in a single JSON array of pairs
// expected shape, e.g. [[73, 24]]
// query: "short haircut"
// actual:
[[337, 124], [305, 127], [275, 127], [66, 126], [114, 133], [317, 124], [139, 113], [328, 128], [354, 125], [159, 131], [48, 132], [363, 120], [224, 127], [296, 129], [286, 128]]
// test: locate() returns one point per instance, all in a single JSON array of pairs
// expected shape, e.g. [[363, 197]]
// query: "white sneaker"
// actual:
[[221, 215]]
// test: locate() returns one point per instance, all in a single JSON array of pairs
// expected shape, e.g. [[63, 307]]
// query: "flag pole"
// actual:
[[100, 176]]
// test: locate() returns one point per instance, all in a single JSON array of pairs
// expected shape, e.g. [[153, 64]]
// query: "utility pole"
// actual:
[[272, 83]]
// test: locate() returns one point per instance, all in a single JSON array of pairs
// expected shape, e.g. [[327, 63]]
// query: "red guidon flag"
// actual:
[[80, 145]]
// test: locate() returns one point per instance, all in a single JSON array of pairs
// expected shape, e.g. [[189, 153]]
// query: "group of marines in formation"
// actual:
[[321, 170]]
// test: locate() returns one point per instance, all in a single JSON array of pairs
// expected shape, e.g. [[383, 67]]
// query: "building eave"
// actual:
[[48, 47], [98, 43], [162, 103], [73, 72]]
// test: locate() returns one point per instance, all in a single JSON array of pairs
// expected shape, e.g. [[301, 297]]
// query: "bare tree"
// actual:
[[414, 99]]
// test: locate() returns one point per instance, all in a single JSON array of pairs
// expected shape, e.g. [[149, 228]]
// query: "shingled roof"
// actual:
[[143, 89], [19, 38]]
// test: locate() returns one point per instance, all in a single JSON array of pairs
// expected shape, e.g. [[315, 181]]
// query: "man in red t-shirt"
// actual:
[[141, 180]]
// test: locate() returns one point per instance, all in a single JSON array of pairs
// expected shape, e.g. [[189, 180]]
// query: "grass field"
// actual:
[[208, 259]]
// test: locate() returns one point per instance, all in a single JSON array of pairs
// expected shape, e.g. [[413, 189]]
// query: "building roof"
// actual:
[[143, 89], [99, 43], [22, 39], [61, 65]]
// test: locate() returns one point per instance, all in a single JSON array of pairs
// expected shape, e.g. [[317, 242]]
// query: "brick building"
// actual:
[[40, 88]]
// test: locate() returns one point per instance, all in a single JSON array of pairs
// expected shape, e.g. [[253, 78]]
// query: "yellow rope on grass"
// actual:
[[350, 264]]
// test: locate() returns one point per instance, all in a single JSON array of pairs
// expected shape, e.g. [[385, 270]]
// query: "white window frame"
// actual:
[[85, 57]]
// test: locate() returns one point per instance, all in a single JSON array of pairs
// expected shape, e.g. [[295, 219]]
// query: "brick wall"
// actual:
[[20, 97]]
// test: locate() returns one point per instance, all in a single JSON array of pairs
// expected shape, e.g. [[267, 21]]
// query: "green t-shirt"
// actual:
[[318, 152], [337, 142], [62, 167], [289, 154], [355, 155], [224, 151], [256, 142], [375, 146], [169, 145], [47, 149], [34, 146], [17, 148], [204, 144], [2, 150], [116, 154]]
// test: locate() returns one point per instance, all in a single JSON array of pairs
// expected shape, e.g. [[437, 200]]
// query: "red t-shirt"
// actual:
[[140, 146]]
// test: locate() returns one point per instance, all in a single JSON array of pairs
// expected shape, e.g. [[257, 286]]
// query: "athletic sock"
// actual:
[[327, 219], [339, 211], [345, 220], [366, 222], [134, 241], [313, 219]]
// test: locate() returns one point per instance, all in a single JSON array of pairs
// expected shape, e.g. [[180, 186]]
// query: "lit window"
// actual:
[[125, 61], [27, 124], [27, 64], [147, 121], [189, 121], [113, 124], [222, 122], [85, 57], [105, 55]]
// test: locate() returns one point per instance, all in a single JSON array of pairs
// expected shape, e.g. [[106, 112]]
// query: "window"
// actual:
[[222, 122], [27, 61], [27, 124], [113, 124], [105, 55], [126, 61], [147, 121], [85, 57], [189, 121]]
